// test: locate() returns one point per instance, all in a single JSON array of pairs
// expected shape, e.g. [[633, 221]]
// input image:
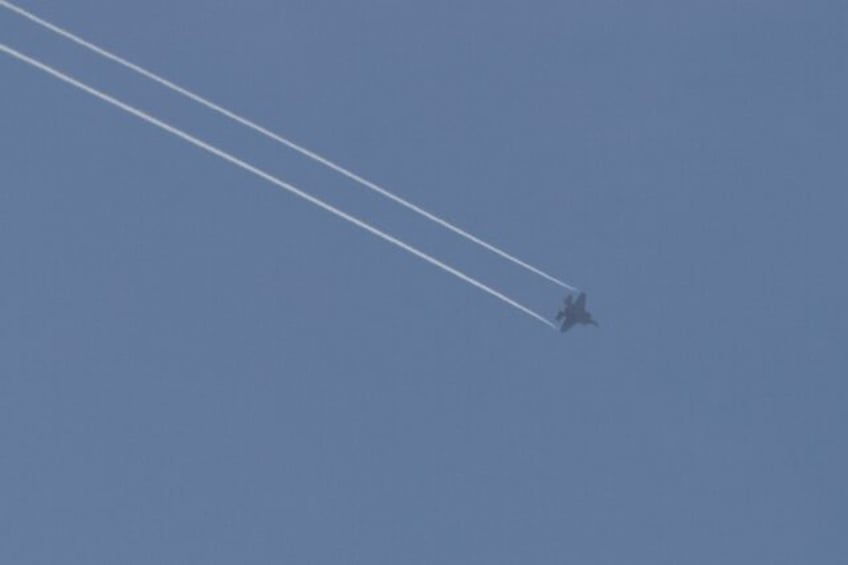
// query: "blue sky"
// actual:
[[197, 367]]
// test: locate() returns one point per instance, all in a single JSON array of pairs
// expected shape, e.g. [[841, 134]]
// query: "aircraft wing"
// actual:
[[567, 324]]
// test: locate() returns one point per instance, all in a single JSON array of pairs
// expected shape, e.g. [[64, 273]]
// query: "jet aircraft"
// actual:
[[574, 312]]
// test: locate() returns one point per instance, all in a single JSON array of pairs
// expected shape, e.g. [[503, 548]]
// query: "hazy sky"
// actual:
[[196, 367]]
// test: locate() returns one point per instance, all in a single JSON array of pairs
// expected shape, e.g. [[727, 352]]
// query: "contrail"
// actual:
[[287, 142], [273, 180]]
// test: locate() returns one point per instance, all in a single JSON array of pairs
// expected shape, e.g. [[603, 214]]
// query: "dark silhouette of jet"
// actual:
[[574, 312]]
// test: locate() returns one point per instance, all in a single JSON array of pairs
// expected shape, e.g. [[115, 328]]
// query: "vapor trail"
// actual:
[[274, 180], [280, 139]]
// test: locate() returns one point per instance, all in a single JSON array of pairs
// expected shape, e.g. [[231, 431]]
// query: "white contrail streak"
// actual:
[[273, 180], [280, 139]]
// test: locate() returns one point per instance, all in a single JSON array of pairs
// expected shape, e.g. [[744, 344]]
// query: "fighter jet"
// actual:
[[574, 312]]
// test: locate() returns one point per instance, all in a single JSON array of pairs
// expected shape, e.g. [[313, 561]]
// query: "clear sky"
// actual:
[[196, 367]]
